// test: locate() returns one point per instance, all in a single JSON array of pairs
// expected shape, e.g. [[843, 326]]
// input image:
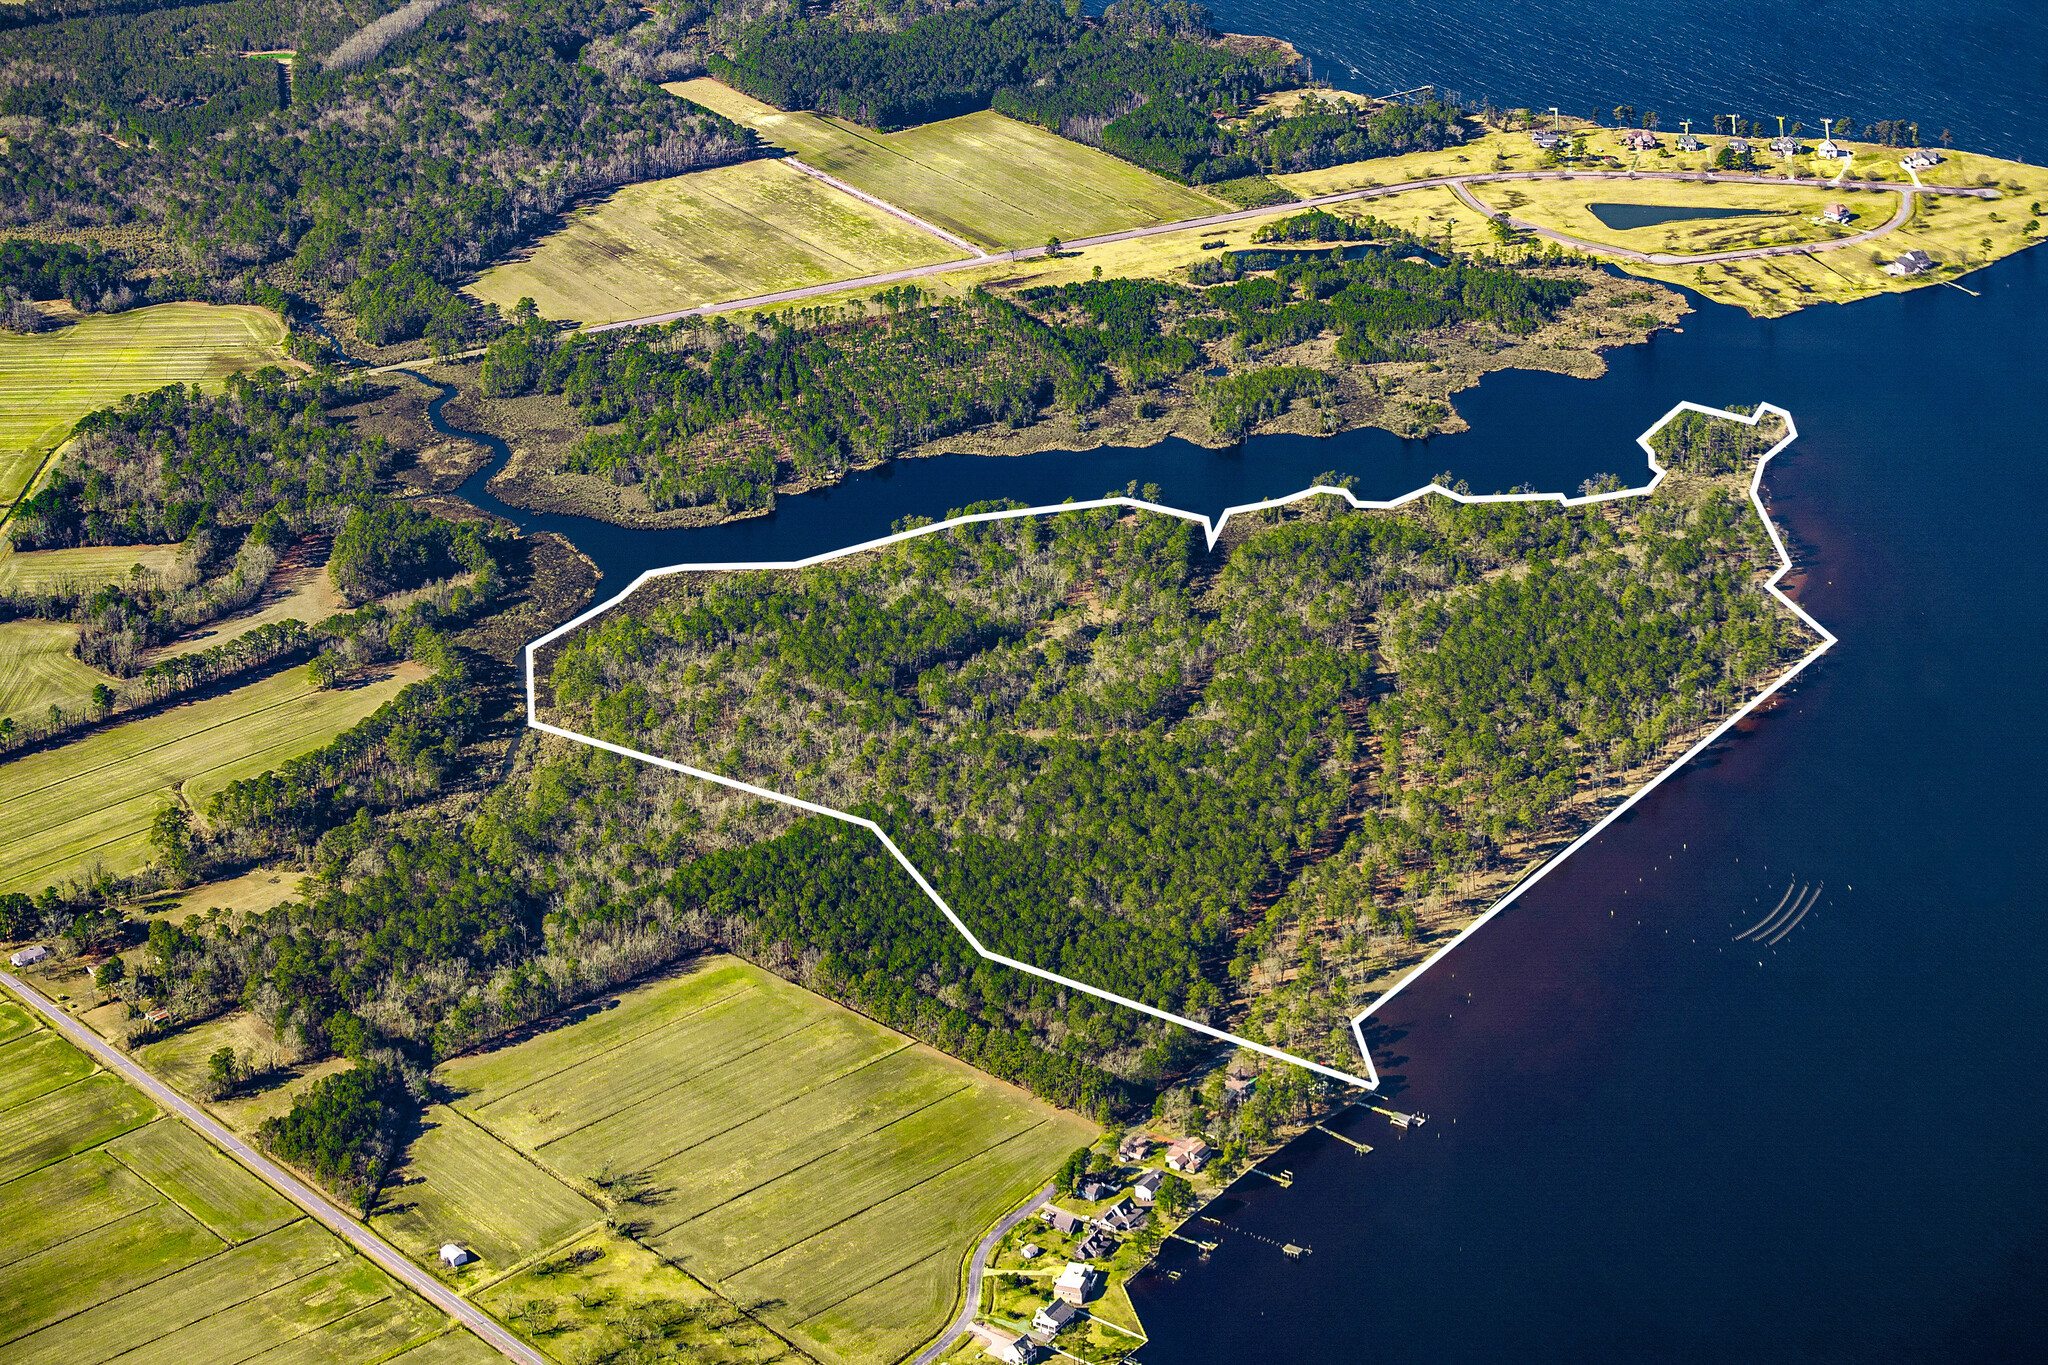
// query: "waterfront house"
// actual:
[[1135, 1147], [1098, 1245], [1077, 1282], [1688, 143], [1189, 1155], [1009, 1347], [1123, 1216], [1146, 1188], [1639, 140], [1547, 140], [1830, 150], [453, 1255], [1913, 262], [1787, 147], [1920, 158], [1055, 1316], [1064, 1223], [30, 956], [1837, 213], [1739, 146]]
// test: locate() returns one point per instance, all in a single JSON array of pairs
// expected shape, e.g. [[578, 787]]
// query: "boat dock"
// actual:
[[1362, 1147], [1283, 1178]]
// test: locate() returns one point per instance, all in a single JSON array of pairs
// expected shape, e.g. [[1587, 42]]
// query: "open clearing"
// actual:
[[155, 1243], [792, 1153], [299, 589], [727, 233], [51, 379], [988, 178], [91, 800], [88, 567], [37, 667]]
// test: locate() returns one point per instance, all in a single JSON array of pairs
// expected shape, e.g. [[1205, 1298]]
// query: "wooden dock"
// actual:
[[1362, 1147], [1283, 1178]]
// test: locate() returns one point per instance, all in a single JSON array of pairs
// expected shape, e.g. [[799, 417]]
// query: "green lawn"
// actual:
[[51, 379], [728, 233], [793, 1154], [988, 178], [92, 800], [137, 1239]]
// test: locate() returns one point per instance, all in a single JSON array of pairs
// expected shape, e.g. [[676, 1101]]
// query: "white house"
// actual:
[[1055, 1316], [1837, 213], [1076, 1282], [1913, 262], [1831, 150], [453, 1255], [30, 956], [1030, 1251], [1787, 147], [1145, 1188], [1546, 139], [1920, 158], [1688, 143]]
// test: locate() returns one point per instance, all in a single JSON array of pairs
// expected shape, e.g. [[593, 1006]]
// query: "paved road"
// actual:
[[365, 1241], [974, 1269], [1457, 182]]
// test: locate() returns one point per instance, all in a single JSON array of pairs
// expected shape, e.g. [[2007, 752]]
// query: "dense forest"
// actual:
[[1152, 83], [706, 413], [409, 156]]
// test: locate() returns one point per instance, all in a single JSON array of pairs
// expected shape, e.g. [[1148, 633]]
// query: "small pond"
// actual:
[[1622, 217]]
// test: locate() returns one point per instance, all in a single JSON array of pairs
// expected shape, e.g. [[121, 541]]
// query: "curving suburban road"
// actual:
[[975, 1265], [1458, 183], [369, 1243]]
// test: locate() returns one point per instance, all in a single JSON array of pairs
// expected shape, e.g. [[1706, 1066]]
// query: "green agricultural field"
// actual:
[[92, 800], [137, 1239], [988, 178], [792, 1154], [50, 380], [86, 567], [457, 1183], [37, 667], [728, 233]]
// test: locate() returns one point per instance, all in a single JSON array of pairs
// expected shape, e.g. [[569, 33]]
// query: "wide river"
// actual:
[[1649, 1140]]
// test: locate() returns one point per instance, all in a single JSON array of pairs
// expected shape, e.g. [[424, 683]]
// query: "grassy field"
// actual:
[[50, 380], [88, 567], [585, 1300], [791, 1154], [129, 1235], [1786, 212], [92, 800], [457, 1180], [37, 667], [299, 589], [988, 178], [727, 233]]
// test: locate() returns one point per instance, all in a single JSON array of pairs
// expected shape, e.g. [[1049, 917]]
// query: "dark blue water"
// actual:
[[1650, 1142], [1980, 69]]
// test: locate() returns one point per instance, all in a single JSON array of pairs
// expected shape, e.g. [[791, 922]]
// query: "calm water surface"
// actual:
[[1649, 1141]]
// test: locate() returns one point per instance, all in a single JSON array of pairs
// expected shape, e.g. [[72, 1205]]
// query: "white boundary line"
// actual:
[[1371, 1079]]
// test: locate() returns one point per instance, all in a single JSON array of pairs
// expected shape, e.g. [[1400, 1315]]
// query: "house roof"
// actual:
[[1059, 1312], [1077, 1275]]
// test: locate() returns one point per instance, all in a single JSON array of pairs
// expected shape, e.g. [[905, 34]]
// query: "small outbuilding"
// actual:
[[29, 956], [1030, 1251], [453, 1256]]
